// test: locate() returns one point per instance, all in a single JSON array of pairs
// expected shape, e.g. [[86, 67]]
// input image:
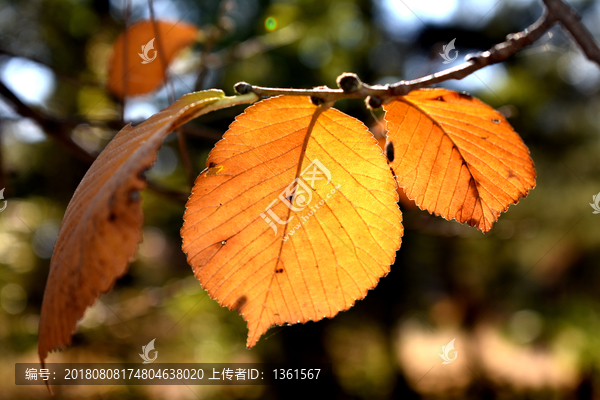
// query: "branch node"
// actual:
[[317, 101], [374, 102], [349, 82], [242, 88]]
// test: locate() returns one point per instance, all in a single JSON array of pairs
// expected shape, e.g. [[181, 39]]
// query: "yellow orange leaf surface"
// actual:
[[102, 224], [139, 67], [333, 187], [456, 156]]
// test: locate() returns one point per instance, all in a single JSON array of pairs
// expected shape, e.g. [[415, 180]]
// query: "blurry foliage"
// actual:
[[522, 301]]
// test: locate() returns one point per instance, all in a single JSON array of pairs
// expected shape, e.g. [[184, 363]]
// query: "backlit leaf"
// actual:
[[138, 68], [456, 156], [102, 224], [334, 187]]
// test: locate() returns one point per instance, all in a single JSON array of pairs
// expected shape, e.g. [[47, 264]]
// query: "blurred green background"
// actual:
[[523, 301]]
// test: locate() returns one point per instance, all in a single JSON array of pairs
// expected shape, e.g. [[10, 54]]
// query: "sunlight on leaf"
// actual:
[[456, 156], [102, 224], [333, 187]]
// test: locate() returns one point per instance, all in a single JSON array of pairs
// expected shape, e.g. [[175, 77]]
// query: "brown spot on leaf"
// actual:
[[465, 96], [279, 271], [496, 120], [389, 151], [239, 304], [440, 98]]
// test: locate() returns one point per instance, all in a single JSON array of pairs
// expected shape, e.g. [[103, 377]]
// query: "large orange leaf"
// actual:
[[456, 156], [102, 224], [331, 184], [130, 70]]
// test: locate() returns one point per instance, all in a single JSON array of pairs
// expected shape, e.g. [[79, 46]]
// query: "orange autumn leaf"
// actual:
[[102, 224], [456, 156], [139, 67], [289, 224]]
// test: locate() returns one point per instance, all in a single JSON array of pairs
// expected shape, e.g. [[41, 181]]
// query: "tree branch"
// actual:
[[69, 78], [497, 54], [59, 130], [557, 11], [571, 21]]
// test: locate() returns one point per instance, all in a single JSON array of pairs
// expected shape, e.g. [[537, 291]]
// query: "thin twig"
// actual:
[[571, 21], [557, 11], [59, 130], [496, 54], [65, 76]]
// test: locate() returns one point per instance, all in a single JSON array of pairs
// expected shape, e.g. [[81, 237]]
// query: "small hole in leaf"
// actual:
[[389, 151], [496, 121]]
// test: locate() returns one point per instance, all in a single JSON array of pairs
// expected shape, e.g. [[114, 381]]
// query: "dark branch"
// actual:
[[497, 54], [59, 130], [571, 21], [557, 11]]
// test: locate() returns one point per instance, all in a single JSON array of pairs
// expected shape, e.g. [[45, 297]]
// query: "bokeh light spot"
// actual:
[[270, 24], [13, 298]]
